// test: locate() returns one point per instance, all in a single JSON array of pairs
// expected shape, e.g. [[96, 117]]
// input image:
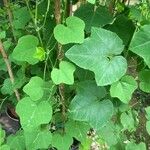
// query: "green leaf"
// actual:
[[86, 106], [40, 54], [34, 88], [5, 147], [17, 141], [33, 115], [64, 74], [37, 139], [91, 1], [2, 135], [144, 78], [25, 49], [124, 88], [72, 33], [61, 142], [141, 42], [147, 109], [100, 53], [2, 34], [21, 17], [127, 121], [133, 146], [94, 16], [148, 127], [77, 129], [7, 87]]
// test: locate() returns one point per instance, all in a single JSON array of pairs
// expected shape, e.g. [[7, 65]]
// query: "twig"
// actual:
[[5, 57], [60, 56], [10, 17]]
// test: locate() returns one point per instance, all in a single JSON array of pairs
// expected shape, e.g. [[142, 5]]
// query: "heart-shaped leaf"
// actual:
[[72, 33], [144, 77], [93, 16], [32, 115], [38, 139], [34, 88], [64, 74], [123, 88], [89, 108], [100, 54], [62, 142], [26, 49], [141, 42]]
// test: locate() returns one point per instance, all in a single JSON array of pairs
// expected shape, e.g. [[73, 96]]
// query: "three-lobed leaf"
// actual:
[[100, 53]]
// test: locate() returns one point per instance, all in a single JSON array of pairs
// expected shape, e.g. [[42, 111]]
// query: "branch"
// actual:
[[5, 57], [10, 17]]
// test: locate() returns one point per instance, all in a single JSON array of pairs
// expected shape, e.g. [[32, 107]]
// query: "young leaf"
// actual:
[[32, 115], [64, 74], [144, 77], [40, 53], [141, 42], [61, 142], [148, 127], [94, 16], [100, 53], [147, 109], [77, 129], [34, 88], [25, 49], [72, 33], [37, 139], [123, 88], [91, 1]]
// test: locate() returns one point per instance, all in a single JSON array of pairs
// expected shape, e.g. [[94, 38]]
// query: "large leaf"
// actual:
[[26, 49], [87, 106], [61, 142], [132, 146], [94, 16], [141, 42], [64, 74], [144, 77], [100, 53], [123, 88], [72, 33], [38, 139], [34, 88], [32, 115]]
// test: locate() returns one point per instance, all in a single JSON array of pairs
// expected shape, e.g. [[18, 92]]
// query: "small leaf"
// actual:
[[100, 53], [144, 77], [147, 109], [2, 34], [127, 121], [64, 74], [32, 115], [40, 54], [2, 135], [72, 33], [34, 88], [25, 49], [148, 127], [141, 42], [5, 147], [61, 142], [123, 88], [37, 139], [77, 129]]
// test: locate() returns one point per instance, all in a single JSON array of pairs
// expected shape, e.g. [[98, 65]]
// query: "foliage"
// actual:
[[82, 75]]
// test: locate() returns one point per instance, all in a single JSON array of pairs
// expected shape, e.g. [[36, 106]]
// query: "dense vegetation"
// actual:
[[76, 74]]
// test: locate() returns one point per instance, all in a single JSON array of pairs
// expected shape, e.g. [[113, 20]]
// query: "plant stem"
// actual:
[[5, 57], [10, 17], [60, 56]]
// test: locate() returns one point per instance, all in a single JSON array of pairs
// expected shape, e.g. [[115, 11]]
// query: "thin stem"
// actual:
[[10, 17], [34, 19], [5, 57]]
